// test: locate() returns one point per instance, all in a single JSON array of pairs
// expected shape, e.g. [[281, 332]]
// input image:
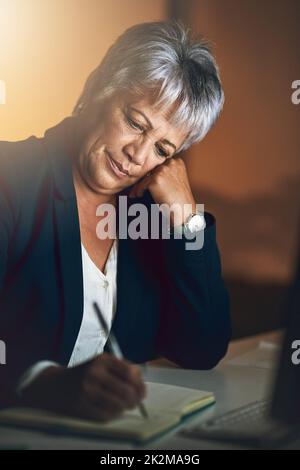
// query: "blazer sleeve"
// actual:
[[194, 329]]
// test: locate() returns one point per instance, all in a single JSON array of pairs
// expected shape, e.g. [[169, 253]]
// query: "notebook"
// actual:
[[166, 406]]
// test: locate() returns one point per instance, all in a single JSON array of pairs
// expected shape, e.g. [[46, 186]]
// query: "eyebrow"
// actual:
[[165, 141]]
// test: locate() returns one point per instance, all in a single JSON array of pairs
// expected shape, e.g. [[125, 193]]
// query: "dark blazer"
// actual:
[[170, 302]]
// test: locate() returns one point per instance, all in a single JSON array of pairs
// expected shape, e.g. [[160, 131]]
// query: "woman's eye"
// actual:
[[161, 152], [134, 124]]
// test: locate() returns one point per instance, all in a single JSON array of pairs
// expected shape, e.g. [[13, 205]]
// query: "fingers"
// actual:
[[110, 386], [124, 374], [97, 395], [127, 394], [88, 409]]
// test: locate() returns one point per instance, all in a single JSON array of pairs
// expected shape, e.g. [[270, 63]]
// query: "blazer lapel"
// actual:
[[69, 275], [67, 237]]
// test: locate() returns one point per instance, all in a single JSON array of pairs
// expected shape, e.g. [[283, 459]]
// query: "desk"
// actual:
[[233, 386]]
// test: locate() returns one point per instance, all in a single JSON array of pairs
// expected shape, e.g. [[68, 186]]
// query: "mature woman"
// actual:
[[155, 93]]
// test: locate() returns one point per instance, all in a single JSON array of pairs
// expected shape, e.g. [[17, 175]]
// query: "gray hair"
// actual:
[[161, 57]]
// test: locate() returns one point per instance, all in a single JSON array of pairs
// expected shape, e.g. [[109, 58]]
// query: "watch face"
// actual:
[[196, 223]]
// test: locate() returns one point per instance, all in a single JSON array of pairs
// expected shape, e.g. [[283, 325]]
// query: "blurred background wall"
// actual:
[[246, 171], [49, 47]]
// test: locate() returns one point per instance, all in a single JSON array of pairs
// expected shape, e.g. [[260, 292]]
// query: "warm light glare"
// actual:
[[47, 50], [16, 17]]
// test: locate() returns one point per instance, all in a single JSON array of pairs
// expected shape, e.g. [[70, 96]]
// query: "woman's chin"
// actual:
[[108, 185]]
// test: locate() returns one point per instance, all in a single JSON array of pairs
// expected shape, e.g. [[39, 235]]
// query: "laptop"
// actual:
[[275, 421]]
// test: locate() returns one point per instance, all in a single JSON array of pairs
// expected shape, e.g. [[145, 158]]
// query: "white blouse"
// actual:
[[101, 288]]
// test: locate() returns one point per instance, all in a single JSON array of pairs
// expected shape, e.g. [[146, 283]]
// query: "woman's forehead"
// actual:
[[159, 116]]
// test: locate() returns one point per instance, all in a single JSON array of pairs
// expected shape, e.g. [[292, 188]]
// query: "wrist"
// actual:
[[180, 213], [194, 223]]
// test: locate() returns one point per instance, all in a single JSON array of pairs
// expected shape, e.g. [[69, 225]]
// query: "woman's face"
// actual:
[[129, 140]]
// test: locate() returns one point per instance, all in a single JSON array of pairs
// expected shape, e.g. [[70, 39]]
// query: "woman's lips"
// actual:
[[116, 167]]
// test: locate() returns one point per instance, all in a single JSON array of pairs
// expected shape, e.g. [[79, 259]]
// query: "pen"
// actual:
[[114, 347]]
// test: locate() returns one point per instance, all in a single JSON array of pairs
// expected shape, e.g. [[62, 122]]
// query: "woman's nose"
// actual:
[[136, 154]]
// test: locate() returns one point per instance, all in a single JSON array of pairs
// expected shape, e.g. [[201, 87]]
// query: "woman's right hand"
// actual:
[[100, 389]]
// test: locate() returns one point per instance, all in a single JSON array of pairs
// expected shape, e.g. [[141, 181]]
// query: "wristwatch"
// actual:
[[194, 223]]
